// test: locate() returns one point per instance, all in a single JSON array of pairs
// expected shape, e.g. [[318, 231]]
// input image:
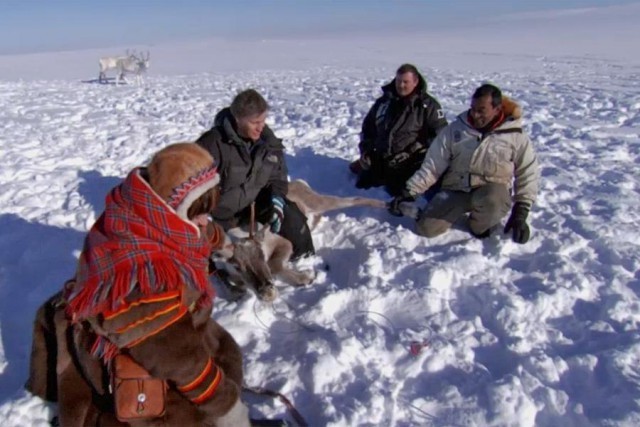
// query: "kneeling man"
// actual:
[[488, 167]]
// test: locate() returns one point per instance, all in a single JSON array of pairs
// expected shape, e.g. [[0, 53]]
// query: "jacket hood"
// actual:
[[222, 115], [225, 120], [390, 88]]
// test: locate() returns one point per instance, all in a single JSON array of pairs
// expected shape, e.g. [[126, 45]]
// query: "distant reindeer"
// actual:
[[133, 64], [108, 63]]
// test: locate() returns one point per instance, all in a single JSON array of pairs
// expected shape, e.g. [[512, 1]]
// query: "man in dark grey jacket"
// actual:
[[397, 132], [252, 167]]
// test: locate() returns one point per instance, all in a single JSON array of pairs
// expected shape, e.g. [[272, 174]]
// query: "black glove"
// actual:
[[517, 223], [365, 180], [394, 205]]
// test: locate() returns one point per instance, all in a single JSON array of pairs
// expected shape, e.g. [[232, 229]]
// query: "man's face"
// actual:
[[406, 83], [251, 126], [482, 111]]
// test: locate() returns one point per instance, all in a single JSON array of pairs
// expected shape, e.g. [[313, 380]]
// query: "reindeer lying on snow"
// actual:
[[253, 261]]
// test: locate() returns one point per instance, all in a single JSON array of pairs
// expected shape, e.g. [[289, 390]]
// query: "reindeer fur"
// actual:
[[255, 261]]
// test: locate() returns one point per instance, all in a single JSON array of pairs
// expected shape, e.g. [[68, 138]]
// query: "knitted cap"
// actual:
[[181, 173]]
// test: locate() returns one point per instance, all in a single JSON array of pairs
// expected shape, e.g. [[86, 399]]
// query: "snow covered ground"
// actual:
[[515, 335]]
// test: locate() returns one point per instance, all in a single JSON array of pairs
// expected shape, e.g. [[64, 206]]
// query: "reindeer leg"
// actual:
[[279, 265], [314, 222]]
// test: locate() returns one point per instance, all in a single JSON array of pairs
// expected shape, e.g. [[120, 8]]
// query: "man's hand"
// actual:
[[365, 159], [394, 205], [361, 165], [517, 223], [277, 214]]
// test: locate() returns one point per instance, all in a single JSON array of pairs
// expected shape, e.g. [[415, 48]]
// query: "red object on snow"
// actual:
[[416, 347]]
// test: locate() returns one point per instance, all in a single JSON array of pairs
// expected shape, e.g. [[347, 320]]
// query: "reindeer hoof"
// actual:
[[307, 278], [267, 293]]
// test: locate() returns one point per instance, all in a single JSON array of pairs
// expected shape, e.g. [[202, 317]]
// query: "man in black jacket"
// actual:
[[397, 132], [252, 167]]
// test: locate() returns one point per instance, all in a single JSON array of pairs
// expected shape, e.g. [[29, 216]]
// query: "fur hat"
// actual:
[[181, 173]]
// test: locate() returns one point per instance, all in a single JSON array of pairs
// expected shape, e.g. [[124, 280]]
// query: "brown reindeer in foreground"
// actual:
[[255, 261]]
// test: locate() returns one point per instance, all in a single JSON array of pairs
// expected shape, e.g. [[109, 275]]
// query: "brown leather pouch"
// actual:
[[137, 395]]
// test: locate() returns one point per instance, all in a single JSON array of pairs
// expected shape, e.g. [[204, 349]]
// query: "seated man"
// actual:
[[478, 157], [252, 167], [397, 132]]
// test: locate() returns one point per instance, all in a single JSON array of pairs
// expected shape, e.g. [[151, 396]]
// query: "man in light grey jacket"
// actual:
[[488, 166]]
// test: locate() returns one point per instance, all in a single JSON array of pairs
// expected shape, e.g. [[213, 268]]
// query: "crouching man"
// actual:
[[130, 340], [488, 167], [253, 168]]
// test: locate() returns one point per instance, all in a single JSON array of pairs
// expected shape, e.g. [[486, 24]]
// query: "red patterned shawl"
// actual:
[[138, 242]]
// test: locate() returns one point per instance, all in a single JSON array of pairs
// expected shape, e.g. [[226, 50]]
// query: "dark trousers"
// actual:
[[296, 230], [486, 206], [393, 177]]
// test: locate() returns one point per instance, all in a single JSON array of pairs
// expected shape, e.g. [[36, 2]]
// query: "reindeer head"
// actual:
[[247, 266], [142, 60], [146, 60]]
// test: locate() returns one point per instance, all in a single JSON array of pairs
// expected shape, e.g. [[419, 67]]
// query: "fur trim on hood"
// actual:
[[511, 111], [511, 108], [181, 173]]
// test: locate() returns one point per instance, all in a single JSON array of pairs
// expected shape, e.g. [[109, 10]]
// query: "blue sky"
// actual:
[[41, 25]]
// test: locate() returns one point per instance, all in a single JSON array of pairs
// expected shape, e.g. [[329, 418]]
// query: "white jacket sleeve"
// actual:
[[434, 164], [526, 173]]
